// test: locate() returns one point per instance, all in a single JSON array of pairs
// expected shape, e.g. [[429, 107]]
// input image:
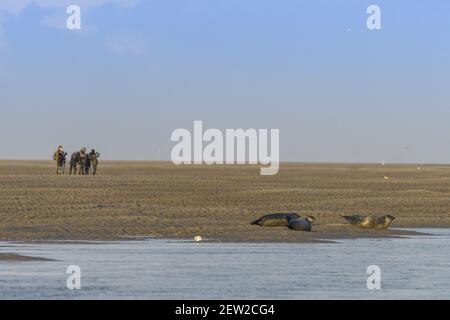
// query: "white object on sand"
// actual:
[[198, 238]]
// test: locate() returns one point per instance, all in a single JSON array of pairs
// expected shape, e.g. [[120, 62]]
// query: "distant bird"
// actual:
[[386, 178], [301, 224], [370, 222], [275, 220]]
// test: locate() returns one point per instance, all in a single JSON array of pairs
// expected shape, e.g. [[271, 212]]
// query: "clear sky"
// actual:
[[138, 69]]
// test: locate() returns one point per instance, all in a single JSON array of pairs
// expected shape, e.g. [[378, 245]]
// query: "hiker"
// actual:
[[81, 160], [62, 162], [60, 157], [87, 164], [74, 161], [94, 160]]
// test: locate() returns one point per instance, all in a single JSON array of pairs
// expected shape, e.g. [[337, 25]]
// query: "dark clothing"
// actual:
[[87, 164], [74, 161], [61, 158], [60, 161]]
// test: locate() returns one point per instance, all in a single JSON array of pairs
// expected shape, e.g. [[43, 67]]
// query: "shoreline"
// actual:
[[310, 237], [164, 201], [326, 234], [14, 257]]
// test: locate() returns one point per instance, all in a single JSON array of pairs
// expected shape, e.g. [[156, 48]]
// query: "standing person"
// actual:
[[62, 161], [74, 161], [57, 157], [87, 164], [81, 160], [94, 160]]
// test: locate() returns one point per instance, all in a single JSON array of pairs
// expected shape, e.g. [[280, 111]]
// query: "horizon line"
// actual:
[[258, 164]]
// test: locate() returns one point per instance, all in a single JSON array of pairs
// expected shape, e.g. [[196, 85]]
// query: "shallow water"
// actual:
[[411, 268]]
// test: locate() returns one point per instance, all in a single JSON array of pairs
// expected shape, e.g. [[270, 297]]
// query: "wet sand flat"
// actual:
[[161, 200], [17, 257]]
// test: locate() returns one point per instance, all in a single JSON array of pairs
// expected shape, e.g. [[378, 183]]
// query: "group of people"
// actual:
[[81, 162]]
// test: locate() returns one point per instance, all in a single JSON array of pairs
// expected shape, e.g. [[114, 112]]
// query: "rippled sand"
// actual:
[[156, 199]]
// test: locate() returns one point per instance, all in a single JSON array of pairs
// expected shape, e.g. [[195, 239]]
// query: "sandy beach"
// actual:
[[161, 200]]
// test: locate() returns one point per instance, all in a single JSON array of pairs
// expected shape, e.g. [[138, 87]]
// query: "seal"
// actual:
[[275, 220], [301, 224], [370, 222]]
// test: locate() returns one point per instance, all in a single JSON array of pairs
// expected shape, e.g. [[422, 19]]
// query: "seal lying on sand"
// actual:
[[301, 224], [275, 219], [368, 222]]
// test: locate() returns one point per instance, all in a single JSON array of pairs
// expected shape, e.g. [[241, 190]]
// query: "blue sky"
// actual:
[[138, 69]]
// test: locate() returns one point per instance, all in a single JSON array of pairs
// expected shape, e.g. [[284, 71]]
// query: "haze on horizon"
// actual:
[[139, 69]]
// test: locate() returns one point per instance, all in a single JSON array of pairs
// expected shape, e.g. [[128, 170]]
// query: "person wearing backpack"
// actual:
[[59, 157], [87, 164], [62, 162]]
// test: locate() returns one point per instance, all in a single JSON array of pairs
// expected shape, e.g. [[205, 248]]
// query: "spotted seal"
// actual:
[[370, 222], [275, 220], [301, 224]]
